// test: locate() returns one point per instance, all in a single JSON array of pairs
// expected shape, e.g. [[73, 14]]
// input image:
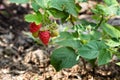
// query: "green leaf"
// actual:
[[112, 43], [78, 7], [105, 10], [64, 35], [111, 2], [112, 10], [75, 44], [100, 9], [118, 11], [19, 1], [65, 5], [92, 49], [58, 14], [80, 28], [96, 17], [87, 23], [85, 37], [95, 35], [104, 57], [35, 6], [82, 0], [110, 30], [37, 18], [43, 3], [63, 58]]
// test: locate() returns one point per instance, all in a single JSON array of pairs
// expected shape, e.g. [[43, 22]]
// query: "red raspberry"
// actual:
[[34, 27], [44, 36]]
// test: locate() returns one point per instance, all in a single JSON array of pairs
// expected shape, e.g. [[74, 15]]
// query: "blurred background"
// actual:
[[21, 58]]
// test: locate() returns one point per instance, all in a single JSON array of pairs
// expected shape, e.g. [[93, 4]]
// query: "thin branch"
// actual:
[[84, 63], [71, 20], [102, 18]]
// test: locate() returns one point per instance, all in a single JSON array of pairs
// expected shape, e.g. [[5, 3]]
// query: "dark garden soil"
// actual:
[[22, 59]]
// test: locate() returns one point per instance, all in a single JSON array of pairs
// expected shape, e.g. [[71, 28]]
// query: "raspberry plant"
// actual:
[[95, 42]]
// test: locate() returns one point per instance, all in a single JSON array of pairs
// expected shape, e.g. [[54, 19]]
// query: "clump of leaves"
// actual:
[[90, 41]]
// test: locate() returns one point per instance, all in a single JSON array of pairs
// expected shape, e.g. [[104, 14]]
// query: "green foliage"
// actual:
[[111, 2], [100, 9], [43, 3], [35, 6], [118, 11], [96, 42], [113, 43], [65, 35], [58, 14], [65, 5], [104, 57], [92, 49], [110, 30], [37, 18], [95, 35], [82, 0], [63, 58], [112, 8], [19, 1], [75, 44]]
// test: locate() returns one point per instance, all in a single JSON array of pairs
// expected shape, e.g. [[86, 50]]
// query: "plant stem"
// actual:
[[84, 63], [102, 18], [71, 20]]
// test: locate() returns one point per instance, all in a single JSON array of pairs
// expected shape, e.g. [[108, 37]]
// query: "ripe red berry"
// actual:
[[34, 27], [44, 36]]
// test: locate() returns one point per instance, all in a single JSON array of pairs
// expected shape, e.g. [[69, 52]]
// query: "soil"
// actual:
[[22, 59]]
